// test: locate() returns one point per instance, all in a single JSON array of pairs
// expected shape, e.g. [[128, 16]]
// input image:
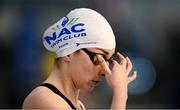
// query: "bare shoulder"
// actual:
[[43, 98]]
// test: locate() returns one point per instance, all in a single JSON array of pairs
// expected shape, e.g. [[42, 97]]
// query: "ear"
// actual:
[[67, 58]]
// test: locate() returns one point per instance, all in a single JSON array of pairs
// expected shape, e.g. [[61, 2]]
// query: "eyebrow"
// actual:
[[107, 53]]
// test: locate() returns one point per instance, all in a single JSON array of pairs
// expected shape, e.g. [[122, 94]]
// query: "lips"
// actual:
[[95, 82]]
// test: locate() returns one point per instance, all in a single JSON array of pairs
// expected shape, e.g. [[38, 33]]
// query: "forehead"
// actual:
[[107, 52]]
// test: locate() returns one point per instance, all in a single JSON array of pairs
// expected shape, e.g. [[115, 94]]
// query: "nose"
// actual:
[[101, 71]]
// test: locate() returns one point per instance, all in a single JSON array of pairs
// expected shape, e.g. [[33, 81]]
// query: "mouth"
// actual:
[[95, 82]]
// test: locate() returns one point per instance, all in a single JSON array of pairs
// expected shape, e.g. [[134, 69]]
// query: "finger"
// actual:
[[100, 58], [129, 65], [133, 77], [104, 65], [114, 62], [122, 59]]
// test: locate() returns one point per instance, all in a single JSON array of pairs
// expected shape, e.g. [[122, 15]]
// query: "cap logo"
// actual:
[[65, 21], [69, 30]]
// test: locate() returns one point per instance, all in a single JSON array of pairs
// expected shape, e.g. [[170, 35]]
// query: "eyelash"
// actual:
[[95, 60]]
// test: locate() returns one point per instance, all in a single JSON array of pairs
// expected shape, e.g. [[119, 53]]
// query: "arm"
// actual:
[[119, 100], [118, 80]]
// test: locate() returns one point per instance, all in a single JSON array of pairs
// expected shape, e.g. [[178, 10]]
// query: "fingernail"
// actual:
[[99, 58], [135, 72], [127, 58]]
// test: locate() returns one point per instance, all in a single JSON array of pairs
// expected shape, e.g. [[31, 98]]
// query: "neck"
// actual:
[[62, 80]]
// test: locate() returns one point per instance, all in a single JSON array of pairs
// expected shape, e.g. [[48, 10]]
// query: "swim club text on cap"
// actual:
[[81, 28]]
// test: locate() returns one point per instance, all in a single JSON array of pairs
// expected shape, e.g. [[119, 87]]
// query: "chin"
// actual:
[[88, 89], [91, 89]]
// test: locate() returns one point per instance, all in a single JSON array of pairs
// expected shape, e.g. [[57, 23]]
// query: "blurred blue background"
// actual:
[[148, 31]]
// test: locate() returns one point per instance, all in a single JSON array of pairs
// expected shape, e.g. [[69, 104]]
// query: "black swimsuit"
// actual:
[[56, 91]]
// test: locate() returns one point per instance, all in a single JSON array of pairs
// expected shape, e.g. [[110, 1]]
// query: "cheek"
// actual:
[[84, 71], [83, 76], [85, 67]]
